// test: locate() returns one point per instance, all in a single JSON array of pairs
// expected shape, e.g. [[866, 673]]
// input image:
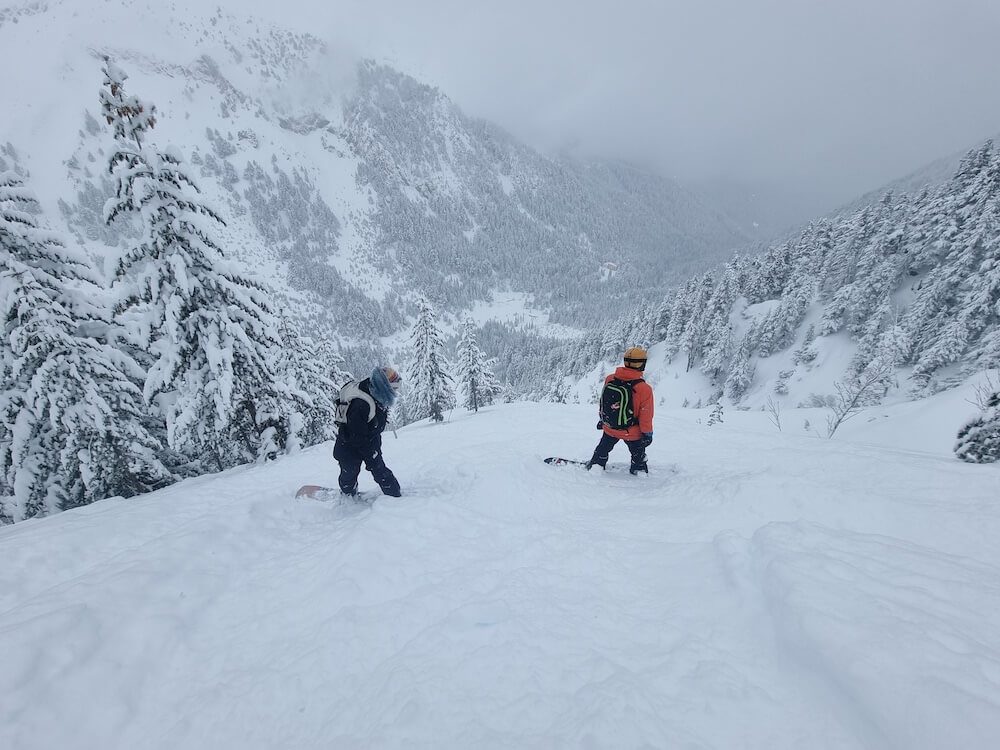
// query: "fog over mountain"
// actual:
[[809, 102], [348, 186]]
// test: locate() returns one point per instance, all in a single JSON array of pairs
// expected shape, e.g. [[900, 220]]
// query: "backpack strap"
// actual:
[[624, 414], [626, 383], [348, 393]]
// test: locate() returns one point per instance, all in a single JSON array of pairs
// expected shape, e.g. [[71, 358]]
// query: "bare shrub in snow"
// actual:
[[773, 409]]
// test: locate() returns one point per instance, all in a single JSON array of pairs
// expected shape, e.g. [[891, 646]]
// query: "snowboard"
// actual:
[[558, 461], [318, 492]]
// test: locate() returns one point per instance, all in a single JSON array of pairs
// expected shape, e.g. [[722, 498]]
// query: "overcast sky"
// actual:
[[837, 97]]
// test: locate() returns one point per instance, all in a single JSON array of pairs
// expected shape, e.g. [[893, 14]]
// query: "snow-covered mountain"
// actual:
[[347, 185], [898, 298], [757, 589]]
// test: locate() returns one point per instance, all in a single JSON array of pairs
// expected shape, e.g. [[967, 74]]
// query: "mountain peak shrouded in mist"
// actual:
[[347, 182]]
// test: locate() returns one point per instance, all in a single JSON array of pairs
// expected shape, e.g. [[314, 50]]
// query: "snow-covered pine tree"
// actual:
[[800, 290], [741, 372], [840, 266], [661, 321], [955, 303], [768, 332], [613, 338], [926, 237], [877, 264], [642, 327], [71, 427], [718, 342], [478, 383], [680, 314], [130, 117], [980, 305], [940, 321], [979, 440], [781, 383], [309, 376], [818, 240], [693, 337], [883, 338], [806, 353], [796, 264], [774, 272], [716, 416], [558, 392], [751, 280], [211, 333], [891, 351], [429, 392]]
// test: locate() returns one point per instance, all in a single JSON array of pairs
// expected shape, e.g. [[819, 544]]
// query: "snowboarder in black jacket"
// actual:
[[362, 411]]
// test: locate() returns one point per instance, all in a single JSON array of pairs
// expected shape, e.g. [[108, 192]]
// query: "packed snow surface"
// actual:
[[757, 590]]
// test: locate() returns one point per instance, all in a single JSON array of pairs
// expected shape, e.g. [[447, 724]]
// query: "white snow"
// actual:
[[518, 308], [506, 183], [515, 308], [757, 590]]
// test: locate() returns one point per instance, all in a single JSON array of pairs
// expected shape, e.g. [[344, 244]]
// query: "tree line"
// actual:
[[913, 280]]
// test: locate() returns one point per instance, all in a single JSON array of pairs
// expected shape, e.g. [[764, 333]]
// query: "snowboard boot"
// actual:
[[638, 464], [595, 462], [352, 492]]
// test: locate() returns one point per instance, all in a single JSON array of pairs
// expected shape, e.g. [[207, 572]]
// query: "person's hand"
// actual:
[[600, 424], [647, 439]]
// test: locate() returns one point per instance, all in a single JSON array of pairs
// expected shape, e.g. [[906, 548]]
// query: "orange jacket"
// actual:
[[643, 395]]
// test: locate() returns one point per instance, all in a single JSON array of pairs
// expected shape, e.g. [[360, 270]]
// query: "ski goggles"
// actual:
[[635, 364], [394, 378]]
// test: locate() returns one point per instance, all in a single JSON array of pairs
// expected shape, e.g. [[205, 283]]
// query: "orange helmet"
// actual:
[[635, 358]]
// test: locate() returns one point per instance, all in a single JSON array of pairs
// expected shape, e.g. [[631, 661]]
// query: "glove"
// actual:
[[600, 424], [646, 440]]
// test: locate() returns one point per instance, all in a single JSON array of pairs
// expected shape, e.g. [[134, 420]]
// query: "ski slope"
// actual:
[[757, 590]]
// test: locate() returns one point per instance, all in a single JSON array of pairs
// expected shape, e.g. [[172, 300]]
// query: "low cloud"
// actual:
[[835, 98]]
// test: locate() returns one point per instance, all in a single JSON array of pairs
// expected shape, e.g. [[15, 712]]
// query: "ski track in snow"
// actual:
[[756, 590]]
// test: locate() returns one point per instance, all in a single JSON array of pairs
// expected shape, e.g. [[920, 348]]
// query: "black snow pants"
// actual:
[[603, 450], [350, 459]]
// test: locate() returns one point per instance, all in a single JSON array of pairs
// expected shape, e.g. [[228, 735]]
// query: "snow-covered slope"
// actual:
[[758, 590], [778, 379], [898, 299]]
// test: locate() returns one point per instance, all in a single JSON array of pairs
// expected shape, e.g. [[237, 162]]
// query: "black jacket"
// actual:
[[359, 432]]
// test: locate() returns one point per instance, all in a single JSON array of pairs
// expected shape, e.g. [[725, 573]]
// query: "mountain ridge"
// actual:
[[361, 184]]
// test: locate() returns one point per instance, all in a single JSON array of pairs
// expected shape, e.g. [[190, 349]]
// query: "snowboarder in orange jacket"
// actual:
[[626, 412]]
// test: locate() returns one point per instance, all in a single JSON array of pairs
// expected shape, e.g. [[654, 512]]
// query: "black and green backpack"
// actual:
[[618, 404]]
